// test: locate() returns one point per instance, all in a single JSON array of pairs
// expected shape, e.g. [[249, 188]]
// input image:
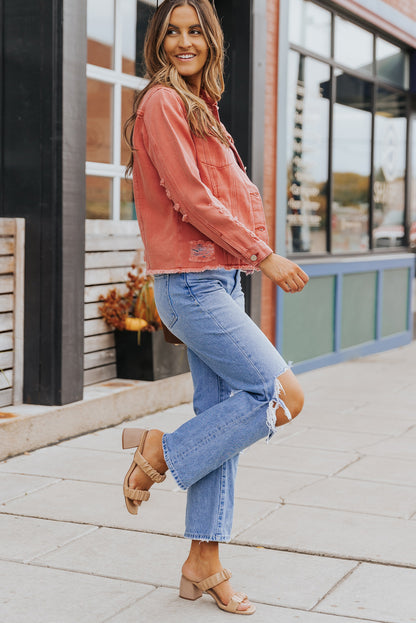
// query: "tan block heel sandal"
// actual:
[[131, 438], [193, 590]]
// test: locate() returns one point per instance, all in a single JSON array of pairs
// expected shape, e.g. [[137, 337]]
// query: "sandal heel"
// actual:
[[131, 437], [188, 590]]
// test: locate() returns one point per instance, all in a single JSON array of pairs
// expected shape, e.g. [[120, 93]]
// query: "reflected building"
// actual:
[[356, 123]]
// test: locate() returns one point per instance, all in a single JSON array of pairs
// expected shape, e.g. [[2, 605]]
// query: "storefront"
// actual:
[[349, 183], [320, 100]]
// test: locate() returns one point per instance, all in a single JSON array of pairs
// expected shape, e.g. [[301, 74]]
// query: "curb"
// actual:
[[28, 427]]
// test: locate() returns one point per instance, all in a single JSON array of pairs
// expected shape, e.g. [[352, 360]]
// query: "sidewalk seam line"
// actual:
[[345, 510], [128, 606], [26, 493], [91, 529], [335, 586]]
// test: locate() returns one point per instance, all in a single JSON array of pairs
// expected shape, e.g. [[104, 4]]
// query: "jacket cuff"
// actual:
[[258, 253]]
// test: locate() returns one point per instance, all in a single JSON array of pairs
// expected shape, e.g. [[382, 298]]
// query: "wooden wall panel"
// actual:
[[110, 250], [12, 248]]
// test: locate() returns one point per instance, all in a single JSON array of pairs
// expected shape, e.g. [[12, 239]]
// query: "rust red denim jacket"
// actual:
[[197, 209]]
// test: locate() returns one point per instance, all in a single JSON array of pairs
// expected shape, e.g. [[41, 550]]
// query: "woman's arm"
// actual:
[[284, 273], [171, 148]]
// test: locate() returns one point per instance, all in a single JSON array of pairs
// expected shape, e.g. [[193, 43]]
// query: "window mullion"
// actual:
[[116, 199], [109, 76], [116, 149], [116, 124], [101, 169]]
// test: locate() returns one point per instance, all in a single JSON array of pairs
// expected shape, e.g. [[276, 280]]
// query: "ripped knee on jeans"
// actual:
[[277, 412]]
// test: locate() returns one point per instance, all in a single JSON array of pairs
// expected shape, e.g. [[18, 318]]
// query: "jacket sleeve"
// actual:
[[172, 150]]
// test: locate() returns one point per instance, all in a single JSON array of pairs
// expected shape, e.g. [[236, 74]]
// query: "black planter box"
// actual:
[[150, 360]]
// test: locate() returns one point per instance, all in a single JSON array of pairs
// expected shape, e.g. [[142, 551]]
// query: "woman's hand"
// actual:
[[284, 273]]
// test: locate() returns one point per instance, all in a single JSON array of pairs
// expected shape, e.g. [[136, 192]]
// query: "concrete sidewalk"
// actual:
[[325, 522]]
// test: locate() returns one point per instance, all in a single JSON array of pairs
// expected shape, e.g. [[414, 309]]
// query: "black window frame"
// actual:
[[375, 81]]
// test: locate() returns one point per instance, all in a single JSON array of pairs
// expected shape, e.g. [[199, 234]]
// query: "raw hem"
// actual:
[[170, 464], [275, 404], [245, 268], [218, 538]]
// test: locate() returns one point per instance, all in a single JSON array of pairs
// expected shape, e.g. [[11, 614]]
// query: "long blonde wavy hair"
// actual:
[[161, 71]]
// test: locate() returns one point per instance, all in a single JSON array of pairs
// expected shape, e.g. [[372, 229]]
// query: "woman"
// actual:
[[202, 222]]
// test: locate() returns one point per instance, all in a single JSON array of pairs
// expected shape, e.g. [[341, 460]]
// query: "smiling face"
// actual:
[[185, 45]]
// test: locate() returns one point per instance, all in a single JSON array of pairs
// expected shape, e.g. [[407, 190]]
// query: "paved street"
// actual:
[[324, 531]]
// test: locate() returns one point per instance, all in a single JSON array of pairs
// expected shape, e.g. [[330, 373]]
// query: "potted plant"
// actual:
[[141, 350]]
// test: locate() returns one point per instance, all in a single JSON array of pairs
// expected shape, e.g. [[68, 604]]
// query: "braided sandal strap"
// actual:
[[136, 494], [214, 580], [147, 468]]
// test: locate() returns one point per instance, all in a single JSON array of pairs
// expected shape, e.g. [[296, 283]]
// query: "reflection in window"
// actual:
[[100, 31], [353, 46], [128, 41], [116, 31], [99, 192], [391, 63], [307, 155], [389, 168], [351, 164], [127, 209], [99, 121], [310, 27], [367, 153], [135, 17]]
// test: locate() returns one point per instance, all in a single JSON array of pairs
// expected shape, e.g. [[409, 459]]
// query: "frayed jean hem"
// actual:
[[170, 465], [217, 538], [275, 403]]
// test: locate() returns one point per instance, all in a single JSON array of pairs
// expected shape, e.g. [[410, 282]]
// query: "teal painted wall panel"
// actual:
[[308, 320], [394, 301], [359, 301]]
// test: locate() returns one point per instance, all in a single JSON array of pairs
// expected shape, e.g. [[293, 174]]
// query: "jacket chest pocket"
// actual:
[[213, 153]]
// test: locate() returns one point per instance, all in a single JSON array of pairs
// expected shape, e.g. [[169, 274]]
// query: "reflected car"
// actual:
[[390, 233]]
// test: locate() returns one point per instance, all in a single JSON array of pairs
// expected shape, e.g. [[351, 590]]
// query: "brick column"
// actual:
[[268, 299]]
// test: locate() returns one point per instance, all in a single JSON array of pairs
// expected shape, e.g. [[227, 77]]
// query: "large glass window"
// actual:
[[347, 108], [99, 196], [389, 168], [115, 70], [392, 63], [307, 155], [100, 29], [351, 164], [100, 97], [128, 41], [310, 26], [353, 46]]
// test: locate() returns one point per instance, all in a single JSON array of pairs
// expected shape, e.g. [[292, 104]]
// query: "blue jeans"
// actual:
[[235, 371]]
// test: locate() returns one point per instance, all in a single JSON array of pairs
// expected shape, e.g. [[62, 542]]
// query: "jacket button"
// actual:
[[260, 228], [253, 258]]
